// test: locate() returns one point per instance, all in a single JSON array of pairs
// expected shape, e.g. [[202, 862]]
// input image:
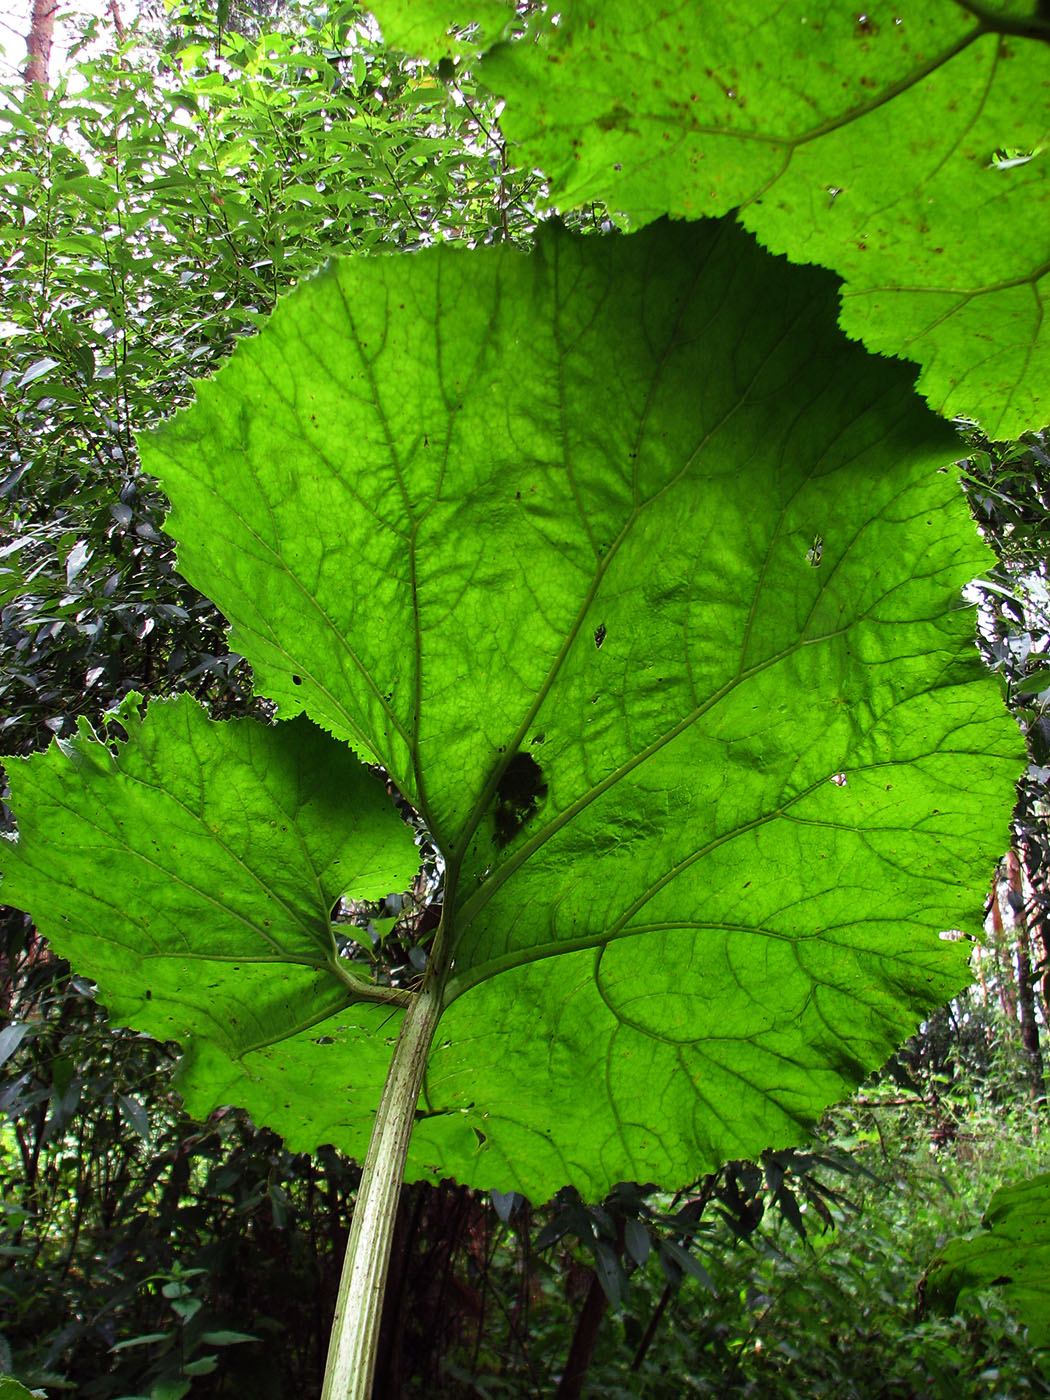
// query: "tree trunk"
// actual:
[[1038, 924], [584, 1340], [41, 33], [1029, 1024], [118, 22], [1004, 975], [1025, 984]]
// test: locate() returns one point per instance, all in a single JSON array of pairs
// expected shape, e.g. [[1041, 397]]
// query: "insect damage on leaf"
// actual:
[[521, 790]]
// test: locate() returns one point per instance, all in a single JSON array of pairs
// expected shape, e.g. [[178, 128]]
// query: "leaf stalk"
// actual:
[[350, 1368]]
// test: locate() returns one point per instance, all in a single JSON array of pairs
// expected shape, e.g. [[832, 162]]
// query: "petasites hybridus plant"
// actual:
[[643, 586], [631, 508]]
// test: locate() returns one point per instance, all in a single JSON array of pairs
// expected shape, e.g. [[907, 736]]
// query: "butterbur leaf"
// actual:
[[694, 873], [193, 871], [422, 26], [898, 146], [1011, 1253], [10, 1389]]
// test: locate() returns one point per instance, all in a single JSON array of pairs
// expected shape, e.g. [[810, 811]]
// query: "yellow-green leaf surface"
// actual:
[[906, 147], [423, 27], [191, 870], [643, 584], [10, 1389], [1011, 1253]]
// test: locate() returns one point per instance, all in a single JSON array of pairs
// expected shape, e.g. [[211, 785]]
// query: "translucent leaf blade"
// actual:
[[192, 874], [626, 521]]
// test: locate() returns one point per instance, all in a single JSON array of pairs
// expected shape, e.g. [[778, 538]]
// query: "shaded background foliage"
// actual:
[[151, 209]]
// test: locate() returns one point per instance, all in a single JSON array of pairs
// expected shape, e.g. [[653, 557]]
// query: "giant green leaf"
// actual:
[[423, 26], [192, 868], [644, 586], [901, 146], [1011, 1253]]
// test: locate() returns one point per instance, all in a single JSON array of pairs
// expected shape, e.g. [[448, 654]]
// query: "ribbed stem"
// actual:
[[359, 1306]]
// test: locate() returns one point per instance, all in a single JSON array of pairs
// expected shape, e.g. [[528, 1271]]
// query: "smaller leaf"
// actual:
[[146, 1339], [552, 1232], [505, 1203], [84, 358], [789, 1210], [1012, 1252], [37, 370], [1031, 685], [170, 1390], [686, 1262], [11, 1038], [203, 1366], [77, 557], [609, 1272], [636, 1240], [133, 1113], [10, 1389]]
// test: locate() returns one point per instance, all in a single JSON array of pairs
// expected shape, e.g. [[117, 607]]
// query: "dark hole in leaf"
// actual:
[[520, 791], [480, 1136], [599, 635], [297, 680]]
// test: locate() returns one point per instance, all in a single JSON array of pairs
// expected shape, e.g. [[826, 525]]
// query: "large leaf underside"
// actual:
[[1011, 1253], [902, 147], [191, 869], [631, 507]]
